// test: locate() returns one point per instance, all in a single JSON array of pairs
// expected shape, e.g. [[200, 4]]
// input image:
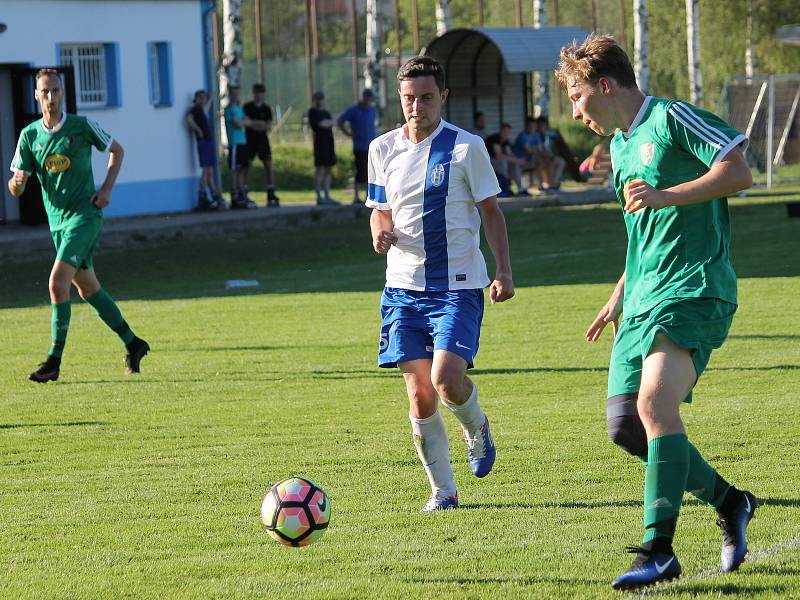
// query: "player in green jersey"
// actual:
[[57, 148], [674, 165]]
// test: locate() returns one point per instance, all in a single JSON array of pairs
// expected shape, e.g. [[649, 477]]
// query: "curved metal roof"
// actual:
[[524, 49]]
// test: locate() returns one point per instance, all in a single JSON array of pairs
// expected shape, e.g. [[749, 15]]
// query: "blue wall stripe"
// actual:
[[148, 197], [434, 225], [113, 79], [376, 193]]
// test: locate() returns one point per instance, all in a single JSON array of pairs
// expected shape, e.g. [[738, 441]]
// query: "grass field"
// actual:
[[150, 486]]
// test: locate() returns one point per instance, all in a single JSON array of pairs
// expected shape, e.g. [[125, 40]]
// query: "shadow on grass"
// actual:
[[539, 370], [520, 580], [67, 424], [758, 336], [767, 368], [537, 505], [790, 502], [549, 247], [724, 589]]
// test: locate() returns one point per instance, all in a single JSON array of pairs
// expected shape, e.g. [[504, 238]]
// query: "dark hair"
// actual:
[[258, 87], [198, 92], [598, 56], [530, 120], [505, 126], [46, 73], [422, 66]]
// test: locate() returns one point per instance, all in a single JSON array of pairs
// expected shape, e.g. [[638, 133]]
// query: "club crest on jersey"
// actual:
[[56, 163], [437, 175], [646, 152]]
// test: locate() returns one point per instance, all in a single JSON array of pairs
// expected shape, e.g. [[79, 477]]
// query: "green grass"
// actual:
[[150, 486]]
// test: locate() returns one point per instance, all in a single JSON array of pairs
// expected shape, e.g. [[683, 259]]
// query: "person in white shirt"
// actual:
[[426, 182]]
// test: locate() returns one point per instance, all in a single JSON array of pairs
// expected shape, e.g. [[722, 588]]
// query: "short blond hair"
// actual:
[[597, 56]]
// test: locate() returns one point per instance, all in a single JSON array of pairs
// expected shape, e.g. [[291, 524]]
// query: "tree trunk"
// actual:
[[373, 76], [443, 19], [693, 52], [541, 79], [749, 61], [641, 65], [231, 68]]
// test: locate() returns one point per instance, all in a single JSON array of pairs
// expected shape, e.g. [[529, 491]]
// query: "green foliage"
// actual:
[[578, 137], [293, 167], [149, 486]]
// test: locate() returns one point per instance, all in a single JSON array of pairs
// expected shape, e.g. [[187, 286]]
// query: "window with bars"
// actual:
[[160, 73], [95, 67]]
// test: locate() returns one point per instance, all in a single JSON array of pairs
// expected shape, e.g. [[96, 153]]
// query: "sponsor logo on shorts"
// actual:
[[461, 277], [460, 345], [56, 163], [437, 175]]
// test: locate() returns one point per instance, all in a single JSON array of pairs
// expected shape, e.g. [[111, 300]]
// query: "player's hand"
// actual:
[[383, 241], [101, 198], [608, 314], [501, 289], [17, 183], [639, 193]]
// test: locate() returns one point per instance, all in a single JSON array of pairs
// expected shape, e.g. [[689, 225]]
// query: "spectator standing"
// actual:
[[321, 124], [257, 134], [479, 125], [358, 122], [197, 119], [238, 157]]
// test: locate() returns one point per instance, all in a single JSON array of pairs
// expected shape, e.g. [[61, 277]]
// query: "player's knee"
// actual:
[[448, 384], [59, 289], [625, 428]]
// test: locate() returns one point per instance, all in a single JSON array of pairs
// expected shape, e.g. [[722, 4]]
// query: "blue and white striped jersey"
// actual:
[[432, 189]]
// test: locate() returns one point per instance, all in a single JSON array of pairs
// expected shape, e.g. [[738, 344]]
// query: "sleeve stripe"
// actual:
[[376, 193], [687, 112], [695, 130], [98, 131], [740, 140]]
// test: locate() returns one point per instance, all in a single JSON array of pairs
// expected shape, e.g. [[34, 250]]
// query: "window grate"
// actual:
[[89, 63]]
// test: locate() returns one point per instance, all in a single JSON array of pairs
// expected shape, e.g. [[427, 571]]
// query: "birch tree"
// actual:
[[231, 68], [443, 19], [693, 52], [541, 79], [641, 65], [373, 76]]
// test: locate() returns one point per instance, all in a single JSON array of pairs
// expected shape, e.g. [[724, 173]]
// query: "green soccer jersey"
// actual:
[[677, 251], [62, 160]]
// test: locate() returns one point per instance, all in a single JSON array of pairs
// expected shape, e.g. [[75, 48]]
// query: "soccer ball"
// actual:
[[296, 511]]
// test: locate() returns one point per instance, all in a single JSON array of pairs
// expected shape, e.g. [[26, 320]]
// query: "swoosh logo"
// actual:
[[460, 345], [746, 499], [662, 568]]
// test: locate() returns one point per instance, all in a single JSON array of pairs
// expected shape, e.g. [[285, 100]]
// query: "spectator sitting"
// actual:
[[321, 124], [197, 119], [526, 147], [591, 161], [238, 157], [506, 165], [257, 134], [358, 122], [479, 125], [553, 166]]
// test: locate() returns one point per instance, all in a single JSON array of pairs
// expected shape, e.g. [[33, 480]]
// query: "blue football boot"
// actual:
[[734, 527], [440, 501], [647, 568], [481, 450]]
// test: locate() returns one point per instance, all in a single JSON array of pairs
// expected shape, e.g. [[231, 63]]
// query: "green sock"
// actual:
[[59, 326], [703, 481], [664, 483], [108, 311]]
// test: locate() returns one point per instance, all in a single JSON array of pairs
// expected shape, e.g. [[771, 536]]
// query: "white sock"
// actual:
[[430, 440], [469, 414]]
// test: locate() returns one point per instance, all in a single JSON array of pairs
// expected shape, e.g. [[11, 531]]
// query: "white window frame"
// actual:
[[89, 64]]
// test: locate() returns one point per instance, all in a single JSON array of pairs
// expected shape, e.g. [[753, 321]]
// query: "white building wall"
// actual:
[[158, 147]]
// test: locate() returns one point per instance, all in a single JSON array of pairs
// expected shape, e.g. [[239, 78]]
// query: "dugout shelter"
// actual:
[[491, 70]]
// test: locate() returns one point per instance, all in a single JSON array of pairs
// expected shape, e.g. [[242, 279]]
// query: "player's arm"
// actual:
[[102, 197], [345, 127], [494, 228], [382, 228], [17, 183], [609, 313], [729, 176]]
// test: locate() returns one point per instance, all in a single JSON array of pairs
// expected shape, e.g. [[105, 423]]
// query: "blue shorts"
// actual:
[[417, 323], [206, 153]]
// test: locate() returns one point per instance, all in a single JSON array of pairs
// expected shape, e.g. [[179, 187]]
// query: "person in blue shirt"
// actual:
[[358, 122], [238, 153]]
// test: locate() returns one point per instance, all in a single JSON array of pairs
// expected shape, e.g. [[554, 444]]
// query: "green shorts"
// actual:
[[698, 324], [75, 244]]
